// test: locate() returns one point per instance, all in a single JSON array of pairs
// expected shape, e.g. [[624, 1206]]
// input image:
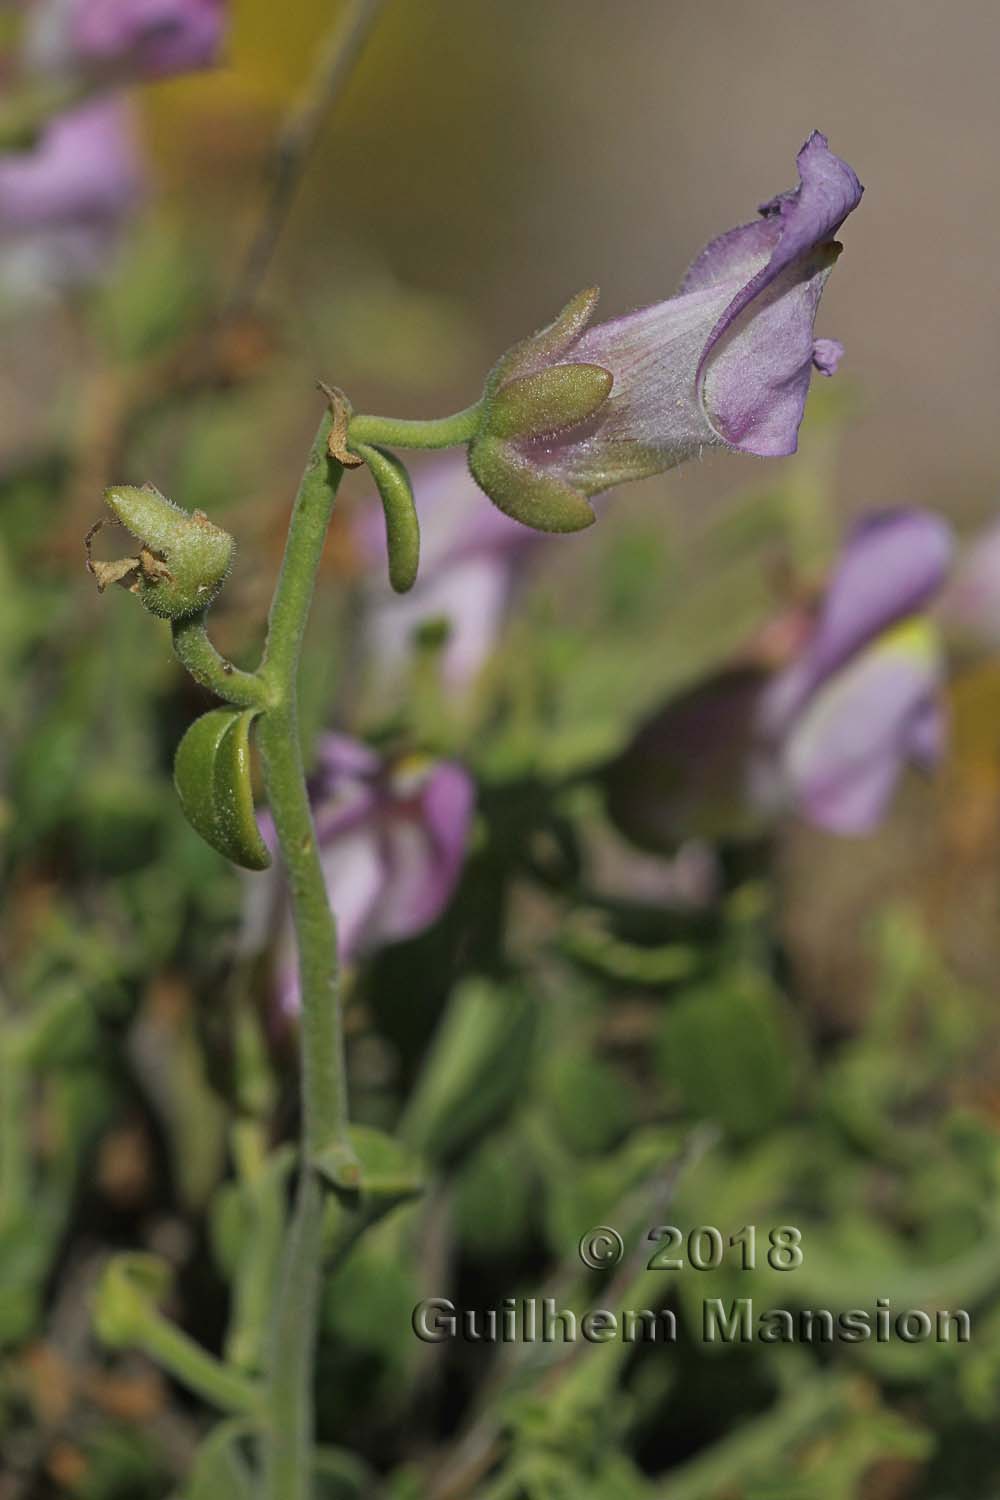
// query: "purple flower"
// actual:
[[470, 556], [392, 839], [147, 38], [727, 363], [970, 606], [63, 204], [862, 700]]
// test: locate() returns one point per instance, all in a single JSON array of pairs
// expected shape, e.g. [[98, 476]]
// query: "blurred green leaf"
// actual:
[[729, 1050]]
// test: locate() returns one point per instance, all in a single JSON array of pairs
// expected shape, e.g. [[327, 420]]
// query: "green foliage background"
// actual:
[[817, 1048]]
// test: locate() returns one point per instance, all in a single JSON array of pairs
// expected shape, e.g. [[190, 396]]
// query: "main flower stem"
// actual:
[[324, 1091], [288, 1450]]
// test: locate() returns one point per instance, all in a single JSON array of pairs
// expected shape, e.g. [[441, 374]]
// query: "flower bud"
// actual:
[[183, 559]]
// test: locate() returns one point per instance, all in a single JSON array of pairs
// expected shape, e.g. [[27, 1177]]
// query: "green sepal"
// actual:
[[212, 777], [535, 406], [402, 528], [546, 345], [381, 1168], [132, 1285], [184, 556], [526, 492]]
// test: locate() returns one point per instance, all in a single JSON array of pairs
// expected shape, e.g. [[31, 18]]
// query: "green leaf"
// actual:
[[131, 1285], [475, 1067], [212, 776], [379, 1168], [220, 1467], [729, 1049]]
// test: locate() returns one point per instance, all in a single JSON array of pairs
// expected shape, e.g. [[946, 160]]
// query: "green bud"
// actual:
[[524, 491], [183, 558], [402, 528]]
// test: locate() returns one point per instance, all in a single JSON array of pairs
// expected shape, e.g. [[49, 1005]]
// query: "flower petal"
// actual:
[[153, 37], [652, 418], [844, 756], [970, 606], [754, 370], [85, 170], [355, 872], [892, 564], [425, 848]]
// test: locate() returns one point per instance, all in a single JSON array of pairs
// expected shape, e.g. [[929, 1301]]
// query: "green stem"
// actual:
[[288, 1454], [288, 1451], [15, 1166], [443, 432], [192, 1366], [211, 669], [324, 1089]]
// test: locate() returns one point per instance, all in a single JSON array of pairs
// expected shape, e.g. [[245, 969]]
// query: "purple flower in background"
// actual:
[[148, 38], [727, 362], [392, 839], [63, 204], [470, 557], [970, 606], [862, 699]]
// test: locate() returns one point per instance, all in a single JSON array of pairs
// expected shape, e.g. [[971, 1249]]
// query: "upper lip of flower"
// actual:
[[806, 220]]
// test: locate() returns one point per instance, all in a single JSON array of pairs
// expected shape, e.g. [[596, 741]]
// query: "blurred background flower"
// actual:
[[65, 202], [864, 698], [471, 556], [145, 38], [392, 837]]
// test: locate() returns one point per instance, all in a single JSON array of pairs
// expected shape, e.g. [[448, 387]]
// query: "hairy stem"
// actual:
[[442, 432], [288, 1450], [208, 667], [288, 1453]]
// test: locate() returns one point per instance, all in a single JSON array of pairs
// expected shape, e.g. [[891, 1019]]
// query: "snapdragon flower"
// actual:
[[725, 363], [863, 698]]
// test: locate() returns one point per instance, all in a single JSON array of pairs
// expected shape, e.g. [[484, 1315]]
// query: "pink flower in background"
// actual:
[[862, 699], [148, 38], [392, 838], [470, 557], [63, 204]]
